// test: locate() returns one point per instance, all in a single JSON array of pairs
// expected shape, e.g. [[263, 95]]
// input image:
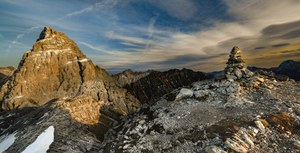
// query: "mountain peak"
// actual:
[[54, 54], [46, 33], [53, 41]]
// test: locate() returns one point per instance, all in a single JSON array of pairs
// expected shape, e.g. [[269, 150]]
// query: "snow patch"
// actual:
[[42, 40], [56, 51], [48, 52], [7, 141], [84, 60], [42, 143], [69, 62], [75, 60]]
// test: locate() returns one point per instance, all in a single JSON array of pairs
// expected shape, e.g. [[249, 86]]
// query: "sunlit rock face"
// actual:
[[55, 67], [5, 73]]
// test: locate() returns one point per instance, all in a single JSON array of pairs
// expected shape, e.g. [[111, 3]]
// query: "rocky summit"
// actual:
[[257, 113], [58, 101], [55, 67]]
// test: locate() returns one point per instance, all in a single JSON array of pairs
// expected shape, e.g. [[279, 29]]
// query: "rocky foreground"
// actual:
[[243, 112], [58, 101]]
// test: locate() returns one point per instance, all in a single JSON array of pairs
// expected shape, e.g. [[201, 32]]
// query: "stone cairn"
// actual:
[[236, 67]]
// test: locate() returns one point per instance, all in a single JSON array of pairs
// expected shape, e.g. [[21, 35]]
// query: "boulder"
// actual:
[[185, 93]]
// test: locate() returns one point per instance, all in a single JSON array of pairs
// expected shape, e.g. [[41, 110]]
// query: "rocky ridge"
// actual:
[[128, 76], [256, 113], [287, 68], [156, 84]]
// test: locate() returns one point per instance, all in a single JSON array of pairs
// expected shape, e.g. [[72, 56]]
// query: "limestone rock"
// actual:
[[184, 93], [260, 126], [238, 73], [202, 93], [297, 144], [214, 149]]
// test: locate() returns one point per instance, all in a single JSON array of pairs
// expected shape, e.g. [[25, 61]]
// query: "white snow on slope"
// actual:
[[7, 141], [42, 143], [84, 60]]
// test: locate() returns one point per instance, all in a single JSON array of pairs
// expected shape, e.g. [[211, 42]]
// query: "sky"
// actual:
[[157, 34]]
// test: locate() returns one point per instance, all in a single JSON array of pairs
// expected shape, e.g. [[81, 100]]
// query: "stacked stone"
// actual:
[[236, 66]]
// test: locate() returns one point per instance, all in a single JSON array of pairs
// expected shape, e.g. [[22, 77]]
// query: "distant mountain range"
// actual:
[[287, 68]]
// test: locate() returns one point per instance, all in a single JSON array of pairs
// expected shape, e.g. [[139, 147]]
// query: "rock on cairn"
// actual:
[[236, 67]]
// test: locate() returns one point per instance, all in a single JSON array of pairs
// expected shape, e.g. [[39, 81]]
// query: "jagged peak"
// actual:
[[46, 33], [53, 41], [128, 71]]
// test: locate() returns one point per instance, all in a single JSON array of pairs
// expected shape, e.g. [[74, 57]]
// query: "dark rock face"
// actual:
[[128, 76], [150, 88], [289, 68]]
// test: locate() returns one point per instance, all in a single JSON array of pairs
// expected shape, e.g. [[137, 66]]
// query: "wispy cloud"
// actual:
[[128, 39], [88, 9], [20, 36], [98, 48], [104, 4]]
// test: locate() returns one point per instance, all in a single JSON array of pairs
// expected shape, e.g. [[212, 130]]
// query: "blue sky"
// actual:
[[157, 34]]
